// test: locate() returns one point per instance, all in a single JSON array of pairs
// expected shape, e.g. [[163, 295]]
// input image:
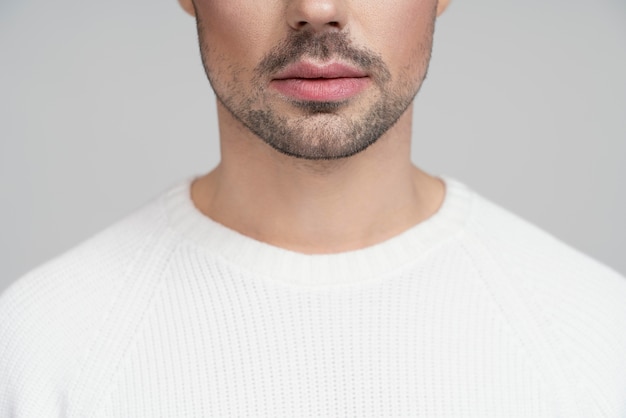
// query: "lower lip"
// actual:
[[321, 89]]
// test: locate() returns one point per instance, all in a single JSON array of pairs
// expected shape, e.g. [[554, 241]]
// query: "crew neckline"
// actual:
[[316, 270]]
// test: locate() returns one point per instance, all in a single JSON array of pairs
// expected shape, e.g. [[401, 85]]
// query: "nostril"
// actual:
[[301, 24]]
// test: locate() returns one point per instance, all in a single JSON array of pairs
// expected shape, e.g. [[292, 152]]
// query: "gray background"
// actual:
[[104, 104]]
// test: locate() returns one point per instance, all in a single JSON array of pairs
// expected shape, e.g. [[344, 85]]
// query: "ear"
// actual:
[[187, 6], [441, 6]]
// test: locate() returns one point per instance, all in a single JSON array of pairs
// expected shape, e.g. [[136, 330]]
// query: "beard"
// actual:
[[317, 130]]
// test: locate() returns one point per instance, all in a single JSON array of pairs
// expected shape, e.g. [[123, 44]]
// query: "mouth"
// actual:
[[329, 82]]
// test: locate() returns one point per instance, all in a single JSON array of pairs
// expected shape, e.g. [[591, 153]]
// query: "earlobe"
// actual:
[[441, 6], [188, 6]]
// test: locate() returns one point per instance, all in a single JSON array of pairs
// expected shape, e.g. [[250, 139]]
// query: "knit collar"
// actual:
[[295, 268]]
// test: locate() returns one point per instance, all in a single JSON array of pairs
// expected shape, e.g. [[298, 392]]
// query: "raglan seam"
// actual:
[[557, 344]]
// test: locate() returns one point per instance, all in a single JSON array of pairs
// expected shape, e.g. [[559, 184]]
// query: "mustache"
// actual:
[[322, 47]]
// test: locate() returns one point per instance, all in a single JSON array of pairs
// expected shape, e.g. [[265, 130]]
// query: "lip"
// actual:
[[328, 82], [305, 69]]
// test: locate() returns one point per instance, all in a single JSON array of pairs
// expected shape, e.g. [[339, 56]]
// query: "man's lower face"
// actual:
[[316, 97]]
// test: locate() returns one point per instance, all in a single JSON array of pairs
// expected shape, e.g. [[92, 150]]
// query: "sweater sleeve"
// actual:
[[50, 316], [580, 301], [587, 313]]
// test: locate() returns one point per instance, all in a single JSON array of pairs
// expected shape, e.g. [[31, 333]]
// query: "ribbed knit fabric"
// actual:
[[471, 313]]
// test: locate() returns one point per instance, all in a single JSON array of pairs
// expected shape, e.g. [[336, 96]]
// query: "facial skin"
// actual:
[[246, 46], [337, 174]]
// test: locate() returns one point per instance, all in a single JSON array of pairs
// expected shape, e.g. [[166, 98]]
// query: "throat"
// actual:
[[316, 218]]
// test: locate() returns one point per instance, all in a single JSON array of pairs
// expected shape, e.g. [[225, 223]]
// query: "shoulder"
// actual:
[[580, 301], [520, 245], [49, 315], [105, 254]]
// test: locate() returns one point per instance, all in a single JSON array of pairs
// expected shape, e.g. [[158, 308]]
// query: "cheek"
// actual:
[[237, 32], [400, 30]]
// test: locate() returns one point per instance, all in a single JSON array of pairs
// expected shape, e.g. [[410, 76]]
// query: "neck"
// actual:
[[317, 207]]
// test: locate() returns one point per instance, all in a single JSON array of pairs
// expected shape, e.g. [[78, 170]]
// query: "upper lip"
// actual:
[[306, 69]]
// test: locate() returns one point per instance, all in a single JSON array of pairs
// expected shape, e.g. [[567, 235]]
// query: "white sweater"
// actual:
[[472, 313]]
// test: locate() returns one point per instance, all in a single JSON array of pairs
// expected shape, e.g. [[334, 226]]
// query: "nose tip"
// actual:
[[316, 15]]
